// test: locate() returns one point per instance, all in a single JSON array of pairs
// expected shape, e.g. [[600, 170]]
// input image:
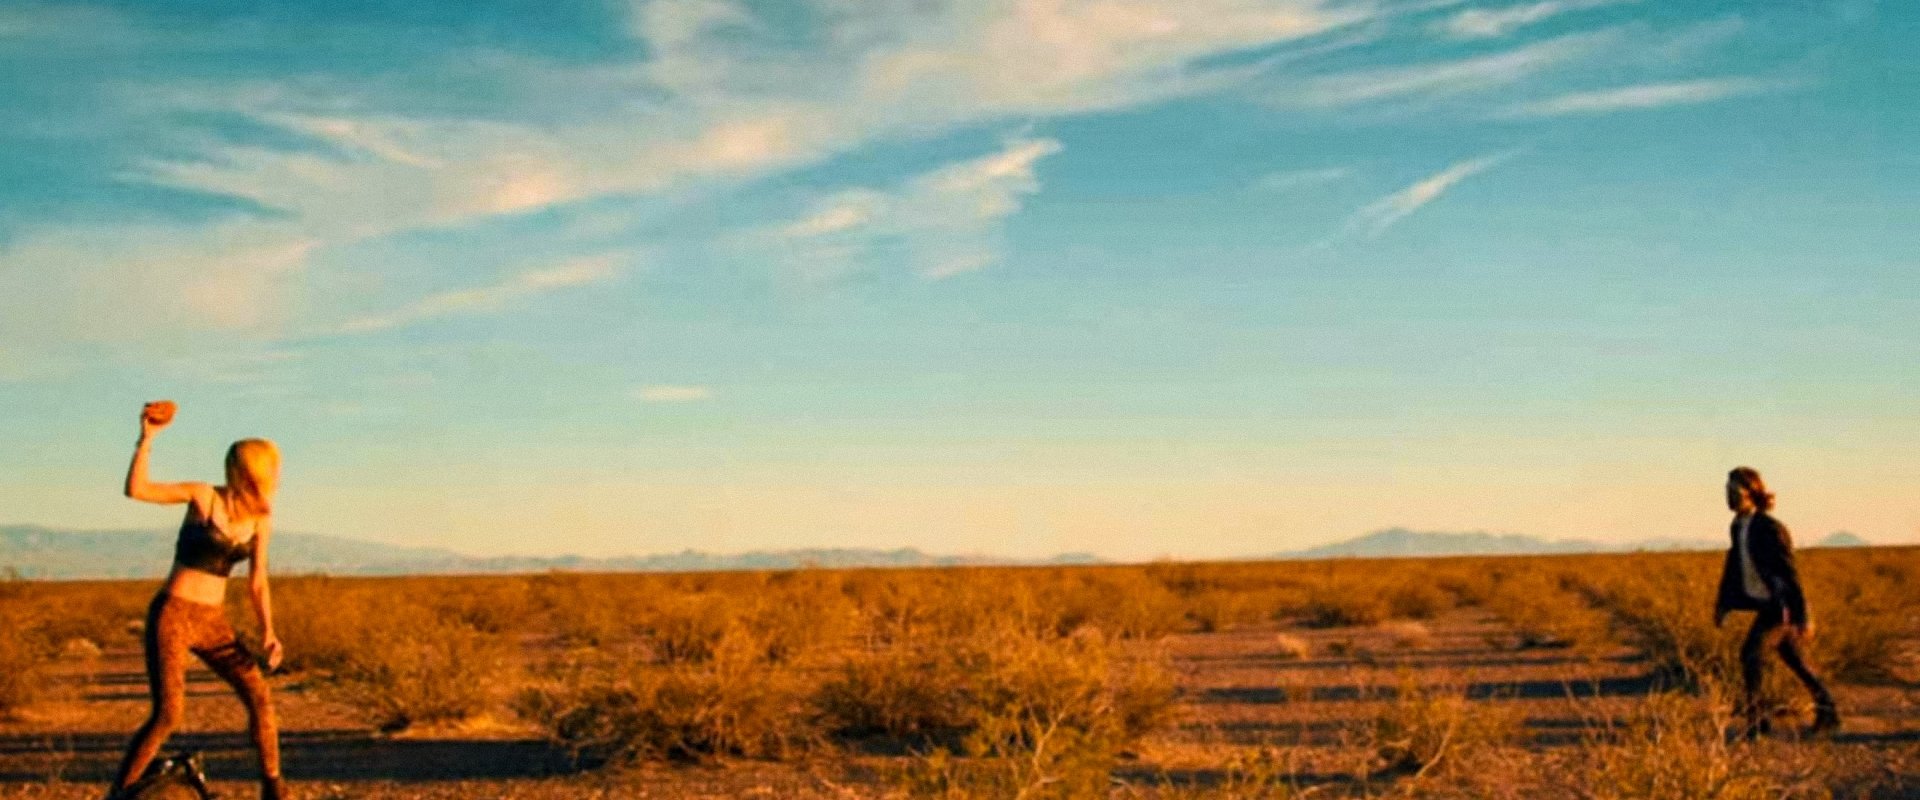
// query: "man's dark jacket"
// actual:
[[1771, 547]]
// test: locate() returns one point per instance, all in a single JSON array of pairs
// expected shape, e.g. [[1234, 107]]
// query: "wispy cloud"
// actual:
[[1046, 56], [157, 285], [727, 98], [1290, 180], [721, 96], [942, 223], [1647, 95], [1486, 23], [491, 298], [846, 210], [1441, 78], [1693, 41], [1376, 217], [669, 393]]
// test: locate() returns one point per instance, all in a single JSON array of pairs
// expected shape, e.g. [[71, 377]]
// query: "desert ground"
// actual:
[[1579, 676]]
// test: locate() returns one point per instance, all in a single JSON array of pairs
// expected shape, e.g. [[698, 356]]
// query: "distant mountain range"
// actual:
[[38, 552], [1401, 542], [1842, 539]]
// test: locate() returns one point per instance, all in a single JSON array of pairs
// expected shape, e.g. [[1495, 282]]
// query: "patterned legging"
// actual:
[[176, 627]]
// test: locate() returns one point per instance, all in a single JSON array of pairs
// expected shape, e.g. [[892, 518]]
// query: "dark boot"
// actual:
[[273, 788], [1826, 719]]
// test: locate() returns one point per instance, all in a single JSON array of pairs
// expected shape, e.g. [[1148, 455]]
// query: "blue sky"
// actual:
[[1021, 277]]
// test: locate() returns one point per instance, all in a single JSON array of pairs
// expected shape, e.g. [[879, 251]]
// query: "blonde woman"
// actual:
[[224, 526]]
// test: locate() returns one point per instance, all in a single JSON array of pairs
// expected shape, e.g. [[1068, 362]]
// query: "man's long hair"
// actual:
[[1748, 479]]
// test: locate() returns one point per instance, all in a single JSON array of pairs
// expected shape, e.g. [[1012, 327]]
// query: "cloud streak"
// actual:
[[1376, 217], [1647, 95], [1487, 23], [1441, 78], [940, 224], [1293, 180], [488, 299]]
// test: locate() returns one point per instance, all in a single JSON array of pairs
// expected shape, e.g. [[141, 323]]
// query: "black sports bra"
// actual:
[[203, 546]]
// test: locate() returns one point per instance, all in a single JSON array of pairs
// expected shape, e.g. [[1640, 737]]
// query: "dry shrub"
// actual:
[[1289, 647], [947, 689], [1043, 735], [1417, 598], [103, 613], [1283, 602], [492, 605], [1675, 747], [1125, 601], [974, 663], [1470, 581], [1223, 596], [1544, 610], [1428, 728], [907, 605], [1343, 606], [1368, 593], [1222, 609], [793, 615], [907, 693], [1406, 634], [1665, 608], [429, 672], [321, 620], [584, 610], [386, 648], [1268, 773], [804, 617], [24, 656], [1047, 719], [1356, 593], [42, 622], [1862, 615], [732, 704], [1863, 646], [686, 628], [1082, 681]]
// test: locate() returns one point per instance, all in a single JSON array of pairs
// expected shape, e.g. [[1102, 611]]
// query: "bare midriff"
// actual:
[[197, 586]]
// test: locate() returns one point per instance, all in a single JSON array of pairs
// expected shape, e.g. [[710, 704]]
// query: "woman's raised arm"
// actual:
[[139, 488]]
